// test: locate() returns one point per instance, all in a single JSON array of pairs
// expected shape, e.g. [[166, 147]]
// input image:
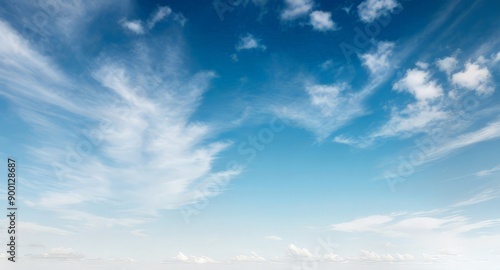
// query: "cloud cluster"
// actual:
[[319, 20], [425, 224], [433, 101], [370, 10], [139, 27], [181, 257]]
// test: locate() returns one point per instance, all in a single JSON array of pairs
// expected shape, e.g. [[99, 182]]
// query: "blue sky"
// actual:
[[287, 134]]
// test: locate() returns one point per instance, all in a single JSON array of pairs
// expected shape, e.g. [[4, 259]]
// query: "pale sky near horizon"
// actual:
[[252, 134]]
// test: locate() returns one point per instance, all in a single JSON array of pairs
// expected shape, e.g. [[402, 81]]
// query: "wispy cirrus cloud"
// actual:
[[326, 108], [160, 14], [425, 224], [128, 123]]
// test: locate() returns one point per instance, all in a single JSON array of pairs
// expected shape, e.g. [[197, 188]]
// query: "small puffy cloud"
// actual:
[[322, 21], [370, 10], [422, 65], [347, 9], [133, 26], [159, 15], [296, 8], [330, 257], [234, 57], [474, 77], [180, 257], [327, 64], [249, 42], [418, 83], [378, 61], [372, 256], [447, 64], [297, 253], [252, 258], [274, 238]]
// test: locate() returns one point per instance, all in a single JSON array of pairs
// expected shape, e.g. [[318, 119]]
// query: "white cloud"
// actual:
[[483, 196], [330, 257], [327, 64], [252, 258], [497, 57], [249, 42], [425, 224], [422, 65], [490, 132], [474, 77], [347, 9], [414, 118], [274, 238], [419, 84], [160, 14], [322, 21], [180, 18], [372, 256], [139, 233], [180, 257], [296, 8], [371, 223], [134, 26], [234, 57], [447, 64], [29, 227], [345, 140], [489, 172], [326, 108], [325, 97], [58, 254], [418, 116], [297, 253], [370, 10], [134, 117], [378, 62]]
